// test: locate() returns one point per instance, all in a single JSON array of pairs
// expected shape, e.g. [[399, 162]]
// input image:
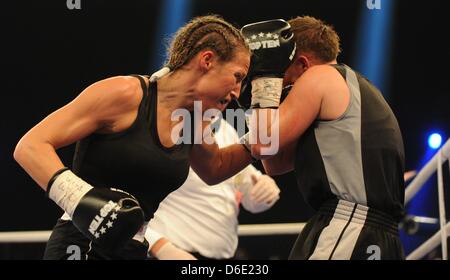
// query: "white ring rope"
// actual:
[[243, 230], [426, 172], [428, 245], [435, 164], [25, 236], [270, 229], [441, 200]]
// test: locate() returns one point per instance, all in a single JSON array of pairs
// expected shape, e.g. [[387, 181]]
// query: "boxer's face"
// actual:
[[223, 81]]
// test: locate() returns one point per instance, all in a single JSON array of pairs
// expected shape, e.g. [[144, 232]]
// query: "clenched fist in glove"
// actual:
[[109, 217], [273, 46]]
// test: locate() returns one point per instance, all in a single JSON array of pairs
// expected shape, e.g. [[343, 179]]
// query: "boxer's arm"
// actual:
[[98, 108], [282, 162], [163, 249], [318, 93], [215, 165], [104, 106]]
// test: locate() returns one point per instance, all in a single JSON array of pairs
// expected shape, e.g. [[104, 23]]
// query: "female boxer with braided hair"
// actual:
[[122, 126]]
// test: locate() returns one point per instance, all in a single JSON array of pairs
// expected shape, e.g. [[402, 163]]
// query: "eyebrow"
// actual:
[[240, 75]]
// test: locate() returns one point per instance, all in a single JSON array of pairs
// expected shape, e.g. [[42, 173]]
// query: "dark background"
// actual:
[[51, 53]]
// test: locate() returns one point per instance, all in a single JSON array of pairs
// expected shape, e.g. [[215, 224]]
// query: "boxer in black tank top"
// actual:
[[126, 158], [133, 160], [356, 184], [339, 135], [104, 159]]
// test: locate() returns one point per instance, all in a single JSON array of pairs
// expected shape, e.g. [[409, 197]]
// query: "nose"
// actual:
[[236, 92]]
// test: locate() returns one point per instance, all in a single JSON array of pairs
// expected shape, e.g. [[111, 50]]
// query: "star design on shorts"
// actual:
[[247, 40], [261, 34], [275, 36], [109, 224], [269, 35], [254, 37], [117, 208], [97, 235], [103, 230], [113, 216]]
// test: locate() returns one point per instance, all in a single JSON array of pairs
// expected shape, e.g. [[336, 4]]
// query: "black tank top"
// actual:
[[134, 160], [359, 157]]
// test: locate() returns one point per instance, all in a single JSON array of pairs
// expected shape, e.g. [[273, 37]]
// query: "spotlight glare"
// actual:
[[435, 140]]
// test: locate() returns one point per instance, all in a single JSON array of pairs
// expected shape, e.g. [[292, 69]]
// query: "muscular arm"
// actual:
[[105, 106], [319, 93], [282, 162], [215, 165]]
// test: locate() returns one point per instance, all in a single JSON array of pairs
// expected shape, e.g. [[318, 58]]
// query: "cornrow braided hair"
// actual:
[[201, 33]]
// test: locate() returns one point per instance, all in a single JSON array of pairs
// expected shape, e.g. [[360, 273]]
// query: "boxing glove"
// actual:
[[109, 217], [273, 49]]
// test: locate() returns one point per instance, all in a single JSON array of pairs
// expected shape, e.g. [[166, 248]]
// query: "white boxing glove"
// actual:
[[262, 195]]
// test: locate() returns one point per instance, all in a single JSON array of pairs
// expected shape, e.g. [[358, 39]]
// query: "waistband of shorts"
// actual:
[[343, 209]]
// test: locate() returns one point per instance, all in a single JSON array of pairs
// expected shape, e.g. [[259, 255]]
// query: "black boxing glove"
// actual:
[[109, 217], [273, 46]]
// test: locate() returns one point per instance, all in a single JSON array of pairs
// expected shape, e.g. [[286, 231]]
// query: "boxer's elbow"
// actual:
[[273, 170], [27, 149], [211, 176], [22, 149], [260, 151], [211, 180], [270, 170], [274, 167]]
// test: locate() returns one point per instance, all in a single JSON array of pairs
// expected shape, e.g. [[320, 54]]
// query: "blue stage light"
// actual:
[[434, 140]]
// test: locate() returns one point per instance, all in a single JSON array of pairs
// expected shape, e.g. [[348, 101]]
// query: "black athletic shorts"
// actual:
[[345, 230], [68, 243]]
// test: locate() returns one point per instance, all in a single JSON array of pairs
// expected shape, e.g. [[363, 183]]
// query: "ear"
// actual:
[[205, 60], [303, 62]]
